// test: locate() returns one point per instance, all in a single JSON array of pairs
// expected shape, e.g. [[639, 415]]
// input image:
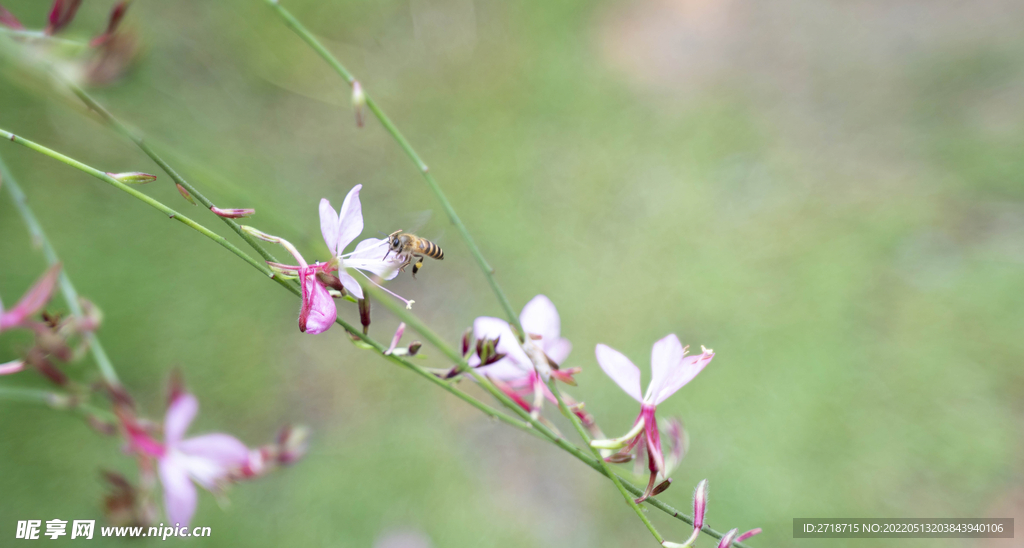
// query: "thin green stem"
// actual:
[[156, 204], [55, 400], [331, 60], [552, 385], [67, 289]]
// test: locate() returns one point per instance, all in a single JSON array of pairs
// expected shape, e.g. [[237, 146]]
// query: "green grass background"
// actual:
[[831, 195]]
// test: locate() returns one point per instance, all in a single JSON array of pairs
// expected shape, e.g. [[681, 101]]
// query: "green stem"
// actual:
[[150, 201], [67, 289], [331, 60], [55, 400], [134, 137], [552, 385]]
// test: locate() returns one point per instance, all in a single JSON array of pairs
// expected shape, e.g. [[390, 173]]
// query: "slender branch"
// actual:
[[331, 60], [530, 424], [552, 385], [55, 400], [156, 204], [67, 289]]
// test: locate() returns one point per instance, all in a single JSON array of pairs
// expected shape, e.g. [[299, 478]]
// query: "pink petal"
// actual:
[[350, 284], [666, 356], [748, 534], [539, 317], [35, 299], [222, 449], [329, 225], [657, 457], [620, 369], [179, 493], [318, 311], [503, 370], [687, 370], [350, 219], [486, 327], [11, 367], [179, 415], [369, 256], [558, 350]]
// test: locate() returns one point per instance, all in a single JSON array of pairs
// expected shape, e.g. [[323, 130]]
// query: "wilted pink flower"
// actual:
[[339, 229], [209, 460], [524, 369], [33, 301], [670, 370]]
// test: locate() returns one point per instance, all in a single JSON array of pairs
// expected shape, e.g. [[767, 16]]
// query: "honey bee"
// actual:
[[406, 246]]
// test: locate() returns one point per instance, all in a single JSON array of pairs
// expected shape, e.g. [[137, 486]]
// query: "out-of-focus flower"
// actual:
[[731, 537], [671, 369], [339, 229], [522, 370], [113, 22], [61, 15], [33, 301], [8, 20], [209, 459], [11, 367]]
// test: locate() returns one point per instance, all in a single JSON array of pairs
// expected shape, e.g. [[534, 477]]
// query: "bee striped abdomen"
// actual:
[[430, 249]]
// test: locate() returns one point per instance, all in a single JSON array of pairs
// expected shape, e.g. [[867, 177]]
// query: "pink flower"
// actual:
[[339, 229], [524, 369], [671, 369], [209, 460], [33, 301]]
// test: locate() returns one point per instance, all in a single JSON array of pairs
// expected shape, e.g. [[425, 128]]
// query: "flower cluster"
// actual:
[[321, 282]]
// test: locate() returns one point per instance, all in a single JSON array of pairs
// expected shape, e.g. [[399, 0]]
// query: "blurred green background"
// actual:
[[829, 194]]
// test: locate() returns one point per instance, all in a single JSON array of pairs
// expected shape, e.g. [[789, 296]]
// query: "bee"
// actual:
[[406, 246]]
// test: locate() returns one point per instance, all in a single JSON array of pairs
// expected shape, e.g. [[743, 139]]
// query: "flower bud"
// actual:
[[748, 534], [467, 342], [8, 20], [414, 348], [116, 15], [619, 458], [728, 539], [133, 177], [700, 503], [395, 340], [185, 194], [258, 234], [358, 102], [331, 281], [662, 487], [364, 315], [61, 15], [232, 213]]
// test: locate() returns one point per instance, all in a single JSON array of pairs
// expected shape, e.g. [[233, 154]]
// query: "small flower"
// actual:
[[209, 460], [339, 229], [521, 370], [33, 301], [671, 369]]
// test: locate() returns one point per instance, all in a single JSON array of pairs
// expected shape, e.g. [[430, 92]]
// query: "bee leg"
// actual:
[[419, 264]]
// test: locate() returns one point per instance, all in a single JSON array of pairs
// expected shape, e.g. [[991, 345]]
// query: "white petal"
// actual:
[[666, 357], [329, 225], [179, 415], [539, 317], [179, 493], [486, 327], [689, 367], [620, 369], [350, 218], [351, 284]]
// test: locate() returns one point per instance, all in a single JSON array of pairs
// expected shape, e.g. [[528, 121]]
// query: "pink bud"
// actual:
[[116, 15], [700, 503], [61, 15], [11, 367], [8, 19], [467, 341], [748, 534], [364, 315], [232, 213], [395, 340], [728, 539], [414, 348]]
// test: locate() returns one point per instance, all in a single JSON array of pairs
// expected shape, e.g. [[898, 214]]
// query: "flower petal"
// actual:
[[351, 285], [179, 493], [350, 219], [369, 256], [620, 369], [11, 367], [318, 309], [539, 317], [666, 356], [329, 225], [179, 415], [35, 299], [503, 370], [225, 450], [687, 370], [486, 327], [558, 350]]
